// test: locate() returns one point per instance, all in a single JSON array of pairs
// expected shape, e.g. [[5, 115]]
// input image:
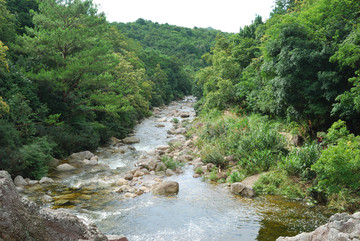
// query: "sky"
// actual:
[[224, 15]]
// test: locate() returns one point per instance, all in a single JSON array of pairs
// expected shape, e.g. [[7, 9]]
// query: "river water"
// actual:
[[200, 211]]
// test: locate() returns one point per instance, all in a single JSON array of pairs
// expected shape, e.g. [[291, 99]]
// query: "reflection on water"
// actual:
[[201, 211]]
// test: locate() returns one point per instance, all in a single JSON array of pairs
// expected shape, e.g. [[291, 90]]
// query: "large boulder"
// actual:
[[79, 156], [131, 140], [165, 188], [21, 219], [342, 227], [20, 181], [241, 189]]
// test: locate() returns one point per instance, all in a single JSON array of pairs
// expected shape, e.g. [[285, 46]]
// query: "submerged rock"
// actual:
[[21, 219], [165, 188], [342, 227]]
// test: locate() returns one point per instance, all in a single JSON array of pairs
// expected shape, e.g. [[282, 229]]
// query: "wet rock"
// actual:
[[116, 238], [46, 180], [145, 171], [341, 226], [165, 188], [122, 182], [139, 192], [32, 182], [93, 161], [159, 125], [131, 140], [79, 156], [113, 141], [150, 165], [46, 199], [196, 175], [132, 148], [169, 172], [162, 149], [184, 115], [121, 149], [130, 195], [21, 219], [138, 173], [241, 189], [128, 176], [124, 188], [20, 181], [65, 167]]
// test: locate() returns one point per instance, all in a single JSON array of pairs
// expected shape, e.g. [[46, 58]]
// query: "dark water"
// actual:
[[201, 211]]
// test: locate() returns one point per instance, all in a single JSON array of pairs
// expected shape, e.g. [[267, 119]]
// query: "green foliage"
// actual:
[[236, 176], [339, 165], [34, 158], [300, 160], [212, 155], [278, 183], [170, 163]]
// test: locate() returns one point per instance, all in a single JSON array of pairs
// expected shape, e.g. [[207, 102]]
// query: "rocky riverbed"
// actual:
[[145, 187]]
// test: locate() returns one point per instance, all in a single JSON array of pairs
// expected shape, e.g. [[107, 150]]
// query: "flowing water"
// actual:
[[201, 211]]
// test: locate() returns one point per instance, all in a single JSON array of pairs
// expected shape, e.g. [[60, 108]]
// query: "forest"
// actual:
[[69, 80]]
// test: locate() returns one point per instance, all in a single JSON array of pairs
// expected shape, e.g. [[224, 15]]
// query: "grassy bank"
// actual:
[[240, 146]]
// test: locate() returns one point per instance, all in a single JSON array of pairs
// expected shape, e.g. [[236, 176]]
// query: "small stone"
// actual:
[[46, 199], [130, 195], [138, 173], [170, 172], [128, 176], [131, 140], [165, 188], [122, 182], [196, 175]]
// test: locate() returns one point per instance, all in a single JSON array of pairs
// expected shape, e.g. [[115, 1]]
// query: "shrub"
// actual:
[[236, 177], [213, 155], [300, 160], [170, 163], [278, 183]]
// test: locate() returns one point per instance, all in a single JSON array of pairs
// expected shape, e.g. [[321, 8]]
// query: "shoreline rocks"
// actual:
[[165, 188], [341, 226]]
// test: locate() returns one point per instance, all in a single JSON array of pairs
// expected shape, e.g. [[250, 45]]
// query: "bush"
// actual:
[[213, 155], [170, 163], [300, 160], [33, 158], [278, 183], [236, 177]]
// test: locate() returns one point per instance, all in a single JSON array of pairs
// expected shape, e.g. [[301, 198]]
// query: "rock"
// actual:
[[198, 164], [92, 161], [169, 172], [113, 141], [239, 188], [297, 140], [128, 176], [46, 180], [160, 167], [46, 199], [24, 220], [159, 125], [122, 149], [116, 238], [138, 173], [139, 192], [185, 115], [122, 182], [20, 181], [79, 156], [165, 188], [130, 195], [132, 148], [204, 169], [196, 175], [131, 140], [162, 148], [162, 119], [54, 163], [341, 226], [151, 165], [65, 167], [32, 182], [179, 131]]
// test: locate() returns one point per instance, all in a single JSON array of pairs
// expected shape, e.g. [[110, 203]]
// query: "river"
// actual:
[[200, 211]]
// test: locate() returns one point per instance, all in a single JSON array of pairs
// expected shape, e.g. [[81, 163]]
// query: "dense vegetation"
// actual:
[[69, 80], [297, 73]]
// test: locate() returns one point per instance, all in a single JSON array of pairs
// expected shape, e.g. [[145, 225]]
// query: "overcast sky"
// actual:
[[224, 15]]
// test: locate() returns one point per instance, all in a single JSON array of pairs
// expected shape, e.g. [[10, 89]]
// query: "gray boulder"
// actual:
[[165, 188], [46, 180], [241, 189], [79, 156], [131, 140], [21, 219], [20, 181], [342, 227]]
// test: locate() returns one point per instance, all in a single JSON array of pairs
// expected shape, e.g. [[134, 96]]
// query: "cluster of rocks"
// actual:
[[21, 219], [342, 227]]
